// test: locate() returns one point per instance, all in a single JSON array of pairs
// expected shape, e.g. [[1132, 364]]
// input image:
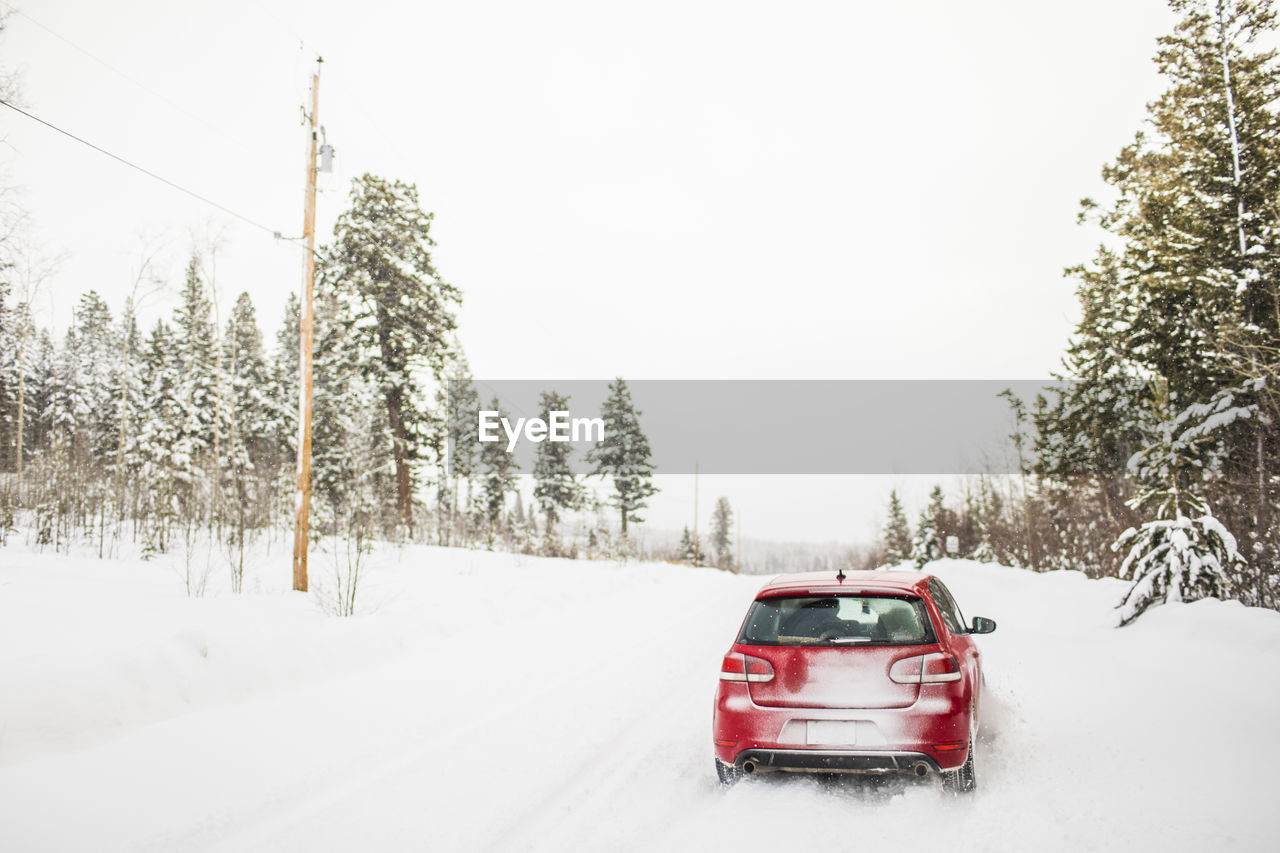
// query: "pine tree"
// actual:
[[985, 506], [249, 452], [930, 542], [196, 354], [79, 365], [498, 472], [686, 551], [198, 365], [10, 366], [399, 311], [282, 404], [245, 364], [1183, 553], [1188, 293], [129, 389], [623, 455], [459, 402], [350, 443], [40, 390], [556, 488], [351, 448], [1087, 432], [722, 533], [1193, 207], [98, 351], [163, 467], [897, 534], [70, 405], [517, 511]]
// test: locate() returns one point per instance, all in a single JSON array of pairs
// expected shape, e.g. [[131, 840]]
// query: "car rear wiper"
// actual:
[[848, 641]]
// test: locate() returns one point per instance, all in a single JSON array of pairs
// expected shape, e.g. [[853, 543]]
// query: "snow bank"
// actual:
[[90, 650]]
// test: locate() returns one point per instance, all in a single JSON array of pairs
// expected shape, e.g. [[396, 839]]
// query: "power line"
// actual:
[[107, 65], [241, 142], [284, 28], [148, 172]]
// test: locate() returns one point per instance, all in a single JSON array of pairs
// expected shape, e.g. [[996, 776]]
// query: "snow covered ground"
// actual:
[[495, 702]]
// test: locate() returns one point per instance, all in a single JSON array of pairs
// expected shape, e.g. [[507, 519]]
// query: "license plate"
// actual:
[[832, 733]]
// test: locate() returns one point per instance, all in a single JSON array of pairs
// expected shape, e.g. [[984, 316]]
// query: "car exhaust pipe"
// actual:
[[748, 767], [920, 768]]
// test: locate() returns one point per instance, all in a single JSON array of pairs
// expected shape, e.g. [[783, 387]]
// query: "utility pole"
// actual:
[[306, 344], [22, 392]]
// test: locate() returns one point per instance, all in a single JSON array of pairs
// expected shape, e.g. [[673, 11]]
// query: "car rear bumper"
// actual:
[[936, 729], [835, 761]]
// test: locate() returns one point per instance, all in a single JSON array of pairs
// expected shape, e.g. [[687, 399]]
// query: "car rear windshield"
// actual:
[[822, 620]]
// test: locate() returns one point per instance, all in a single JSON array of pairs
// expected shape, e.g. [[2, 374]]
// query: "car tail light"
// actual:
[[738, 667], [940, 667], [936, 668], [907, 670]]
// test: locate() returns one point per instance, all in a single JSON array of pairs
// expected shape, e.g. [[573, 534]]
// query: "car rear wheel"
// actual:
[[962, 780], [728, 774]]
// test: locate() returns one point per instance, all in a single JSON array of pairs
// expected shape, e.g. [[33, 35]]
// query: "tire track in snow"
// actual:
[[586, 794], [445, 746]]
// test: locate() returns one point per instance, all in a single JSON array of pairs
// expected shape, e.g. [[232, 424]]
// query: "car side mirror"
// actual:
[[982, 625]]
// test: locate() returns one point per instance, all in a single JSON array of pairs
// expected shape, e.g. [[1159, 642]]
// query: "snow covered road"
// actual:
[[494, 702]]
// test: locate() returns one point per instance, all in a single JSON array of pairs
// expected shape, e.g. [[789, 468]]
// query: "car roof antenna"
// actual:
[[840, 575]]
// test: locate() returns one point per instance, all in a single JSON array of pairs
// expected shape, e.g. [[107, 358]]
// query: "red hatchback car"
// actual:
[[870, 672]]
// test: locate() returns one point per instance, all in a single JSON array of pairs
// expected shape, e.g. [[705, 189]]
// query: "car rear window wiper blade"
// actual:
[[848, 641]]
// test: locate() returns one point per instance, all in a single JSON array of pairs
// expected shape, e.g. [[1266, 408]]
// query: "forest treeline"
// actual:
[[188, 428], [1158, 461]]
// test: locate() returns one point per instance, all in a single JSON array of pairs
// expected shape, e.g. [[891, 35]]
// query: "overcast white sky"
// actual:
[[654, 190]]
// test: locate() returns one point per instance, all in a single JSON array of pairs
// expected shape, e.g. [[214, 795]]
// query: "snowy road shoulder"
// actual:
[[494, 702]]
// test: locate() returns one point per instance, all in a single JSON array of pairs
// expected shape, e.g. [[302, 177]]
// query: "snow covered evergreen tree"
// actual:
[[248, 451], [351, 452], [1186, 291], [128, 389], [1087, 431], [897, 533], [930, 542], [399, 311], [82, 406], [498, 472], [348, 427], [41, 383], [15, 325], [517, 511], [459, 403], [283, 403], [98, 351], [555, 485], [245, 364], [199, 366], [722, 533], [623, 455], [1182, 553], [163, 467], [686, 550], [10, 365]]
